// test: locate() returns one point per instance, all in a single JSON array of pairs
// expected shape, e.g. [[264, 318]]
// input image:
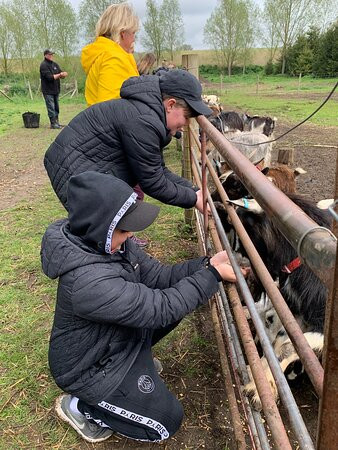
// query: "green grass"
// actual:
[[27, 300], [279, 96], [11, 111]]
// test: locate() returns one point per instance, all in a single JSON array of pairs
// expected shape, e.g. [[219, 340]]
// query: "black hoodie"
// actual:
[[108, 304], [124, 137]]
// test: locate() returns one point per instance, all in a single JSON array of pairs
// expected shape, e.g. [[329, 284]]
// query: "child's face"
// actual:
[[176, 117], [119, 237]]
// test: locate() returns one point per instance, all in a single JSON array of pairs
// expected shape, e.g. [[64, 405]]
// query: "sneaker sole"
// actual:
[[65, 418]]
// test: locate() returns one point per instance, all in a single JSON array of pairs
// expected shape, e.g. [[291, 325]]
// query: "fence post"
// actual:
[[286, 156], [30, 90], [328, 409], [190, 62]]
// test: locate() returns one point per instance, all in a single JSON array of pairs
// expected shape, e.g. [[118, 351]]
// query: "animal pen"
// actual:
[[316, 246]]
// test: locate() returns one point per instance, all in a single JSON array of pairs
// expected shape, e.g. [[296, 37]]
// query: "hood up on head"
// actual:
[[99, 203]]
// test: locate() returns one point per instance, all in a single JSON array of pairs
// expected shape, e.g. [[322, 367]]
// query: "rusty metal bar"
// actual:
[[231, 396], [283, 387], [240, 439], [327, 438], [204, 183], [296, 226], [269, 406], [240, 368], [256, 427], [305, 352]]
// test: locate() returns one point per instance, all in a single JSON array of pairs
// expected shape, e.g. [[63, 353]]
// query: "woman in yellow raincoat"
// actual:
[[109, 60]]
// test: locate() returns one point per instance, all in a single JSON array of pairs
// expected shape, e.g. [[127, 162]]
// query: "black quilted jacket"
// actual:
[[49, 86], [106, 305], [124, 137]]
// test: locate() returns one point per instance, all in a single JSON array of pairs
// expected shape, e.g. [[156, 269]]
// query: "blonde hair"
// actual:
[[146, 63], [115, 19]]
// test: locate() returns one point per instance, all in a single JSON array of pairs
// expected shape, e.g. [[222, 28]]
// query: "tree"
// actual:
[[185, 47], [6, 37], [326, 54], [53, 25], [153, 37], [226, 30], [290, 18], [300, 56], [89, 13], [173, 26], [270, 36], [249, 31], [65, 32], [17, 21]]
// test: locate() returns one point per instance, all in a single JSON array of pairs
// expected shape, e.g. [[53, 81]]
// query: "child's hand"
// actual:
[[222, 264]]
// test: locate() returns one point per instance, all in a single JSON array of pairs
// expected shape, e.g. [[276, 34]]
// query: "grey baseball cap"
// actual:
[[182, 84]]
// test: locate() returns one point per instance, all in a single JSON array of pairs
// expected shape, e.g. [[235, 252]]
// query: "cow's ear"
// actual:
[[265, 171], [299, 171]]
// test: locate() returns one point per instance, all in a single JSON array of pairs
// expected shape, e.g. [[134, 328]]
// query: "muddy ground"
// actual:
[[207, 424]]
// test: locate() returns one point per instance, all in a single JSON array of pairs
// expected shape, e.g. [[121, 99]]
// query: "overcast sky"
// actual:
[[194, 13]]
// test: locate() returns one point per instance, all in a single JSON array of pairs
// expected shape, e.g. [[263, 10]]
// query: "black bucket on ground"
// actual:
[[31, 119]]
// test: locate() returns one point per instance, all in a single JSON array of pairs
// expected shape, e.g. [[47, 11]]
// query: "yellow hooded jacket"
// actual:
[[107, 66]]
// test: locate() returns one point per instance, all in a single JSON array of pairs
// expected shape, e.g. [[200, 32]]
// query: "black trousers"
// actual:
[[142, 407], [52, 104]]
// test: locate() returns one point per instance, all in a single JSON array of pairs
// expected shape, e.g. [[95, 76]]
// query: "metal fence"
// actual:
[[231, 325]]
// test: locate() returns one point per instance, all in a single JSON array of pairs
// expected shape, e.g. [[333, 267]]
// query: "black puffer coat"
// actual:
[[124, 137], [106, 305]]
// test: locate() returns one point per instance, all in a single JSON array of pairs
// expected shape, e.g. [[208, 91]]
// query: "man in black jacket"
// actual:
[[114, 302], [50, 74], [126, 138]]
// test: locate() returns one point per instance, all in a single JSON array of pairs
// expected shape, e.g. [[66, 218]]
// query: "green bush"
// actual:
[[325, 63], [269, 68], [17, 89]]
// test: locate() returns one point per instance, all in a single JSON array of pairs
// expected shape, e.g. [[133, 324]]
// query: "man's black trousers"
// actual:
[[52, 104]]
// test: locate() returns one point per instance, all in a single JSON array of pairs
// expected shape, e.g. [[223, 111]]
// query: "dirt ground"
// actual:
[[315, 150], [21, 178]]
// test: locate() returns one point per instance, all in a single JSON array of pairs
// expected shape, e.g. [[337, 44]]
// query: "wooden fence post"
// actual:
[[30, 90], [286, 156], [190, 62]]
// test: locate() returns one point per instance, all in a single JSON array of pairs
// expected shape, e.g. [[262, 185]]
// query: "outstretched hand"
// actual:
[[199, 202], [222, 264]]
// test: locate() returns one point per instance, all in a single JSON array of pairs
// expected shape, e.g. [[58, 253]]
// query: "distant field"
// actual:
[[259, 56], [279, 96]]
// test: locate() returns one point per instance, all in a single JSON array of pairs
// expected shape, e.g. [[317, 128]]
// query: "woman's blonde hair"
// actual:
[[146, 63], [115, 19]]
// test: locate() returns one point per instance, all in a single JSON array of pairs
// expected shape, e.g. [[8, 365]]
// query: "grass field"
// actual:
[[11, 111], [278, 96], [27, 300]]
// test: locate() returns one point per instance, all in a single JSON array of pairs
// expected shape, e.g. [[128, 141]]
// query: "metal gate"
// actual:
[[231, 325]]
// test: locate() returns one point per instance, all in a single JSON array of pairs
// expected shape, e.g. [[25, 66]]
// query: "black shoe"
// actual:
[[57, 121], [55, 126]]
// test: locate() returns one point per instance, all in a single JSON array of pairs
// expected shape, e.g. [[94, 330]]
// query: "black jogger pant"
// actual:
[[142, 407]]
